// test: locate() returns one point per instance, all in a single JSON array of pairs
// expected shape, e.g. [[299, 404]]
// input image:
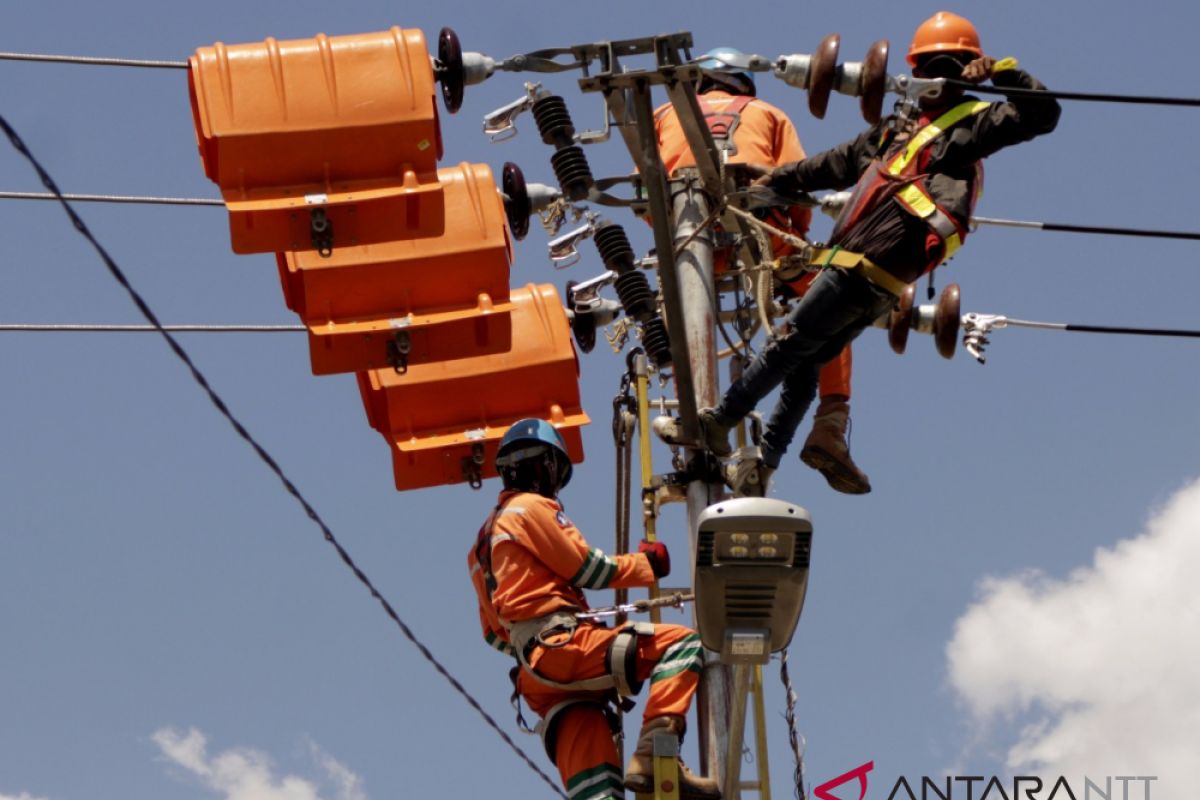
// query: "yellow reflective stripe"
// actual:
[[933, 130], [920, 203], [953, 242]]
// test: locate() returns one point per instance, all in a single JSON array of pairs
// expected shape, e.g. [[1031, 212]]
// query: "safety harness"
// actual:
[[900, 176], [721, 123], [620, 678]]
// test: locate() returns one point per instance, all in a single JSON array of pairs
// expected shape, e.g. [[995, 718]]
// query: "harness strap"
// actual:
[[621, 658], [857, 262], [722, 124]]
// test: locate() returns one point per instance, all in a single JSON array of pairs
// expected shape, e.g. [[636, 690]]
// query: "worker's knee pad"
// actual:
[[621, 658]]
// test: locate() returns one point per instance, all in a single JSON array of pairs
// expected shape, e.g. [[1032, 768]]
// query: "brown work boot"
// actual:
[[826, 450], [639, 775]]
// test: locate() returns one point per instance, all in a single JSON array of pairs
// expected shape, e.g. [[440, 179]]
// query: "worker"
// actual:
[[752, 131], [916, 177], [529, 567]]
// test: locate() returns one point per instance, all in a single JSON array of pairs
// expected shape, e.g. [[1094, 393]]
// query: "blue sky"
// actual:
[[157, 581]]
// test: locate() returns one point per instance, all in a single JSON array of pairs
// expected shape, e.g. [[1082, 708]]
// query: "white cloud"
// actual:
[[1107, 659], [21, 796], [244, 774]]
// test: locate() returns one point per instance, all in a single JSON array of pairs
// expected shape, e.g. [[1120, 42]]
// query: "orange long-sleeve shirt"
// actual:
[[541, 563], [764, 136]]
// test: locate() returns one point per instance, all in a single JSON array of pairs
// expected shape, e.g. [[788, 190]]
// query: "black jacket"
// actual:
[[889, 235]]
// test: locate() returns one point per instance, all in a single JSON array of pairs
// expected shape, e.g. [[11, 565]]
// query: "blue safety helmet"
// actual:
[[718, 60], [532, 438]]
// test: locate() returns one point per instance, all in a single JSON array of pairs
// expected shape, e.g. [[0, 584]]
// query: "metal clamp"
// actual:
[[321, 231], [976, 328], [501, 124], [585, 296], [564, 250], [472, 466], [398, 348]]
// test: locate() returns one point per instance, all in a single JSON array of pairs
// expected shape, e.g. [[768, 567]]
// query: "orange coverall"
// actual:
[[764, 136], [541, 563]]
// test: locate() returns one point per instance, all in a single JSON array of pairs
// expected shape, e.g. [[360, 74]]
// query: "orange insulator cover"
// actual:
[[449, 292], [436, 414], [324, 122]]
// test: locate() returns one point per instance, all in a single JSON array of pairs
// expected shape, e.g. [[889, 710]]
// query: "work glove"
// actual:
[[656, 553], [979, 70]]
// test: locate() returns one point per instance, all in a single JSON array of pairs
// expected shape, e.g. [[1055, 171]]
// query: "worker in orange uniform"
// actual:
[[529, 566], [916, 177], [752, 131]]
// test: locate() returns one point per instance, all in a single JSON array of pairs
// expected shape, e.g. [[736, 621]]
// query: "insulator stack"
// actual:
[[569, 162], [656, 342], [554, 121], [633, 289], [636, 296], [573, 173]]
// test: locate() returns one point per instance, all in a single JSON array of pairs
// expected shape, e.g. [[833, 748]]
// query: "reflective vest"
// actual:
[[899, 176]]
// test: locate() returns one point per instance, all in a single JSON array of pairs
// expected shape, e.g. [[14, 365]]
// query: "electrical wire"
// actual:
[[1076, 328], [1017, 91], [84, 328], [1097, 229], [119, 275], [114, 198], [94, 61], [995, 221]]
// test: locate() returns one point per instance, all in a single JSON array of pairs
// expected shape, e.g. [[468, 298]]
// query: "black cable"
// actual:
[[1070, 326], [1107, 230], [266, 457], [1017, 91]]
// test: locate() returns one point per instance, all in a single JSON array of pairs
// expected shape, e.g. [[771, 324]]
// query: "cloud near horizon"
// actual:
[[245, 774], [1106, 661]]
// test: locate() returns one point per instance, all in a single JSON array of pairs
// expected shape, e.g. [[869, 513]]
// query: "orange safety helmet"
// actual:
[[944, 32]]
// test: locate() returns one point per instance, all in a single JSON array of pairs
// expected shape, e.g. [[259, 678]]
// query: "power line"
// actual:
[[1096, 229], [1109, 230], [94, 61], [119, 275], [19, 327], [1075, 327], [1017, 91], [114, 198]]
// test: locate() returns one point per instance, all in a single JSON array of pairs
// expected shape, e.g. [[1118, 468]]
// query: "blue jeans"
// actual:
[[831, 314]]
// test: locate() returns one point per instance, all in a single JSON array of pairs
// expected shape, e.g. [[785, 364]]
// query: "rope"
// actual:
[[73, 328], [262, 453], [1091, 96], [796, 740], [94, 61]]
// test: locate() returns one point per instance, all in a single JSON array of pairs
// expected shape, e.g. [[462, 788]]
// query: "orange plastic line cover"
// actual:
[[315, 111], [468, 254], [434, 413]]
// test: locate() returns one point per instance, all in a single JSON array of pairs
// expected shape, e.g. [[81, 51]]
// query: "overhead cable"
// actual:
[[114, 198], [94, 61], [1016, 91], [1109, 230], [16, 327], [119, 275], [1075, 327]]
